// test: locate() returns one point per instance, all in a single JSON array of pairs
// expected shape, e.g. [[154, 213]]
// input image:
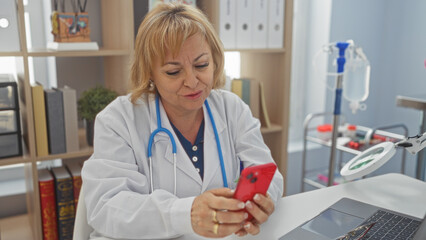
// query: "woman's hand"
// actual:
[[216, 214], [260, 209]]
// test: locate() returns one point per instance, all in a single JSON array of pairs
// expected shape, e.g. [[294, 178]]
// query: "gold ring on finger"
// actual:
[[215, 228], [214, 216]]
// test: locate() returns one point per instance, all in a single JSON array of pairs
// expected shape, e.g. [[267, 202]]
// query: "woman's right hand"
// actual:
[[216, 214]]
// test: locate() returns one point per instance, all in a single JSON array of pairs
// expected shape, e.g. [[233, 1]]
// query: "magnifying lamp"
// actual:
[[373, 158]]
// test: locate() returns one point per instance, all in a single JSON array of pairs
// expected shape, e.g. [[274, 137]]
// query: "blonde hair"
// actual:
[[166, 27]]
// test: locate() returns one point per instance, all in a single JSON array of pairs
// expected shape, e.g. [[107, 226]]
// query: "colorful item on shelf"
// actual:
[[324, 131], [350, 131], [70, 27]]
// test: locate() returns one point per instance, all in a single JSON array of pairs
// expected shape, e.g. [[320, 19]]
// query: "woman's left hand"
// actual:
[[260, 209]]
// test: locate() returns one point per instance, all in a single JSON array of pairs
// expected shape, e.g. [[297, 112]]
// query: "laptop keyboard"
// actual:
[[389, 226]]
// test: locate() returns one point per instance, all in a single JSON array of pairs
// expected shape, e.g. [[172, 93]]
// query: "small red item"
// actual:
[[354, 145], [325, 128], [352, 127]]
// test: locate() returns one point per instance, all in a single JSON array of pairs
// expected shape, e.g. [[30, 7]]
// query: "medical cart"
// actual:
[[321, 179]]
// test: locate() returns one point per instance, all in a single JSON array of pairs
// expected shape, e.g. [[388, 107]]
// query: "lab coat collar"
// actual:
[[211, 156]]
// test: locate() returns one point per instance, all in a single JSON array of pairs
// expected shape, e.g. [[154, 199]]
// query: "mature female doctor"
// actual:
[[135, 186]]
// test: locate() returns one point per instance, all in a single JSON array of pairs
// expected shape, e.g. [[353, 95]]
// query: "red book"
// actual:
[[48, 204], [74, 169]]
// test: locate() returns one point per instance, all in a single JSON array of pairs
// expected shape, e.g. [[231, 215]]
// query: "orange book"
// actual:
[[48, 204]]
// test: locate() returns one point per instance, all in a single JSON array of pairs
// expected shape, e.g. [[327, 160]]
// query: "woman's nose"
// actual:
[[191, 80]]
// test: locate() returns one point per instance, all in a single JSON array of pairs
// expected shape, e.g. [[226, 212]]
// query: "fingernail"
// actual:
[[256, 197], [247, 225], [245, 215], [232, 191], [249, 205], [241, 205]]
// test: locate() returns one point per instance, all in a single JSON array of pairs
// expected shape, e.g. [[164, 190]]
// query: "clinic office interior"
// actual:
[[391, 33]]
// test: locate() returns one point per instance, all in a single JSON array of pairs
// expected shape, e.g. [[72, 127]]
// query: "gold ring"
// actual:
[[215, 228], [214, 216]]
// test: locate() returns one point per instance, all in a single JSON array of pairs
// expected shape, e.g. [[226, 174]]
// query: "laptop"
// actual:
[[362, 220]]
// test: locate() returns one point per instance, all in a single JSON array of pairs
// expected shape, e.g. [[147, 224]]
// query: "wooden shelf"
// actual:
[[16, 227], [101, 52], [268, 50], [11, 54], [274, 128], [14, 160], [117, 37], [85, 150], [82, 153], [273, 68]]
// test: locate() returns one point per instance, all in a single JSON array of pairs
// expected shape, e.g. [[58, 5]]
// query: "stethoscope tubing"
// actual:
[[161, 129], [219, 148]]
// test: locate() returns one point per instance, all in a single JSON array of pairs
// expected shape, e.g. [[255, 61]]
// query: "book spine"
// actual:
[[266, 122], [246, 91], [40, 124], [48, 210], [55, 121], [77, 182], [70, 119], [237, 87], [254, 98], [65, 206]]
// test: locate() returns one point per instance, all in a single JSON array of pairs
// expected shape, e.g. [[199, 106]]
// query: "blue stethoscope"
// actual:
[[161, 129]]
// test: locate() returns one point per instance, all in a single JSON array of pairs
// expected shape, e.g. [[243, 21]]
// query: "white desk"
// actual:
[[393, 191]]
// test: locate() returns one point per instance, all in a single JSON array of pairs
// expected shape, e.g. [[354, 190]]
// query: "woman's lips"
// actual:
[[194, 95]]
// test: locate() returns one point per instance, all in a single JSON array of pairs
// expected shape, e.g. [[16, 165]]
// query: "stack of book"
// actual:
[[252, 93], [59, 192], [55, 120]]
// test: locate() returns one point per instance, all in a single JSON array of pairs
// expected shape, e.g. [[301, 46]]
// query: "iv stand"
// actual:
[[336, 115]]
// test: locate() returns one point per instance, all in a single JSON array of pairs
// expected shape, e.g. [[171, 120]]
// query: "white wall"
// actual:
[[392, 34]]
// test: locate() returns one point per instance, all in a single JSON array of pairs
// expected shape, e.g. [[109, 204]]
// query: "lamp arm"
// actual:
[[413, 144]]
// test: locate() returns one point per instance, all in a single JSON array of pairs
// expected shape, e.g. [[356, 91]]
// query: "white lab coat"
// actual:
[[116, 178]]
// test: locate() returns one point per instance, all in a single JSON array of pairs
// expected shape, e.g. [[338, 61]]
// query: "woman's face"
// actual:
[[185, 81]]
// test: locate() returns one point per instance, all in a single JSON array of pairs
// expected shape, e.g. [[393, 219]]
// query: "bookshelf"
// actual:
[[272, 66], [115, 51]]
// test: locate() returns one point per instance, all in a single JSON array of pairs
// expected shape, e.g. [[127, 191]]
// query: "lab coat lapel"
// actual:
[[183, 162], [212, 170]]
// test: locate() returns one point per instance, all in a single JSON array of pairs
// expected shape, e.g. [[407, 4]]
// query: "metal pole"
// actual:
[[336, 121], [421, 156], [337, 101]]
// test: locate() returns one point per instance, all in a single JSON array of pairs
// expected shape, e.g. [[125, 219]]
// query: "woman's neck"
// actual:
[[187, 124]]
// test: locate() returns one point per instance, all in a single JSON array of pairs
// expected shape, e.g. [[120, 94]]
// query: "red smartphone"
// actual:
[[254, 179]]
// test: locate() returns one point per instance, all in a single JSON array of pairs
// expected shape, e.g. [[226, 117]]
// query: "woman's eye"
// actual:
[[172, 73], [202, 65]]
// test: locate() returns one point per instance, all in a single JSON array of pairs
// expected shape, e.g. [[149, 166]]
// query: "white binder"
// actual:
[[260, 23], [227, 23], [244, 23], [189, 2], [9, 35], [276, 24], [153, 3]]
